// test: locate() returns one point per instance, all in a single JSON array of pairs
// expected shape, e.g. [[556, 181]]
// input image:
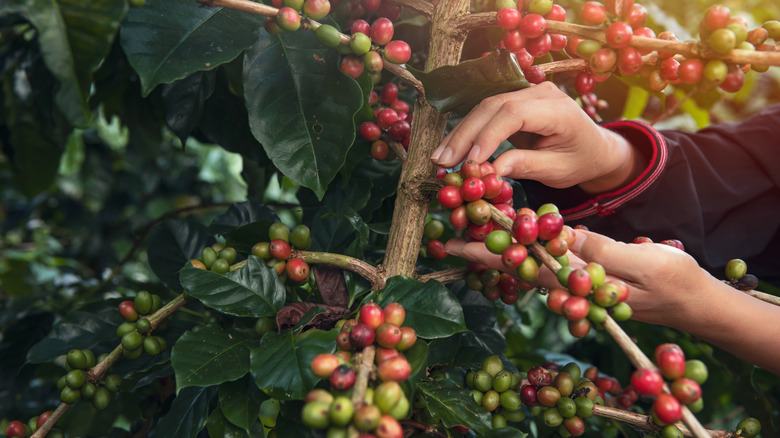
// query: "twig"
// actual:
[[446, 276], [420, 6], [365, 270], [429, 429], [363, 372], [406, 76], [763, 296], [99, 371], [635, 355], [574, 64], [399, 150], [646, 421]]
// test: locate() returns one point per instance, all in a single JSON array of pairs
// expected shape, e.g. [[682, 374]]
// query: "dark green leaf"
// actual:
[[208, 355], [454, 405], [430, 307], [75, 37], [300, 106], [281, 364], [506, 432], [219, 426], [18, 337], [166, 40], [240, 401], [459, 88], [184, 101], [254, 290], [365, 113], [36, 158], [245, 224], [188, 413], [173, 243], [289, 422], [81, 328]]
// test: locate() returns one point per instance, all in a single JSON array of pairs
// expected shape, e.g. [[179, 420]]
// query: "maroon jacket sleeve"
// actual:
[[716, 190]]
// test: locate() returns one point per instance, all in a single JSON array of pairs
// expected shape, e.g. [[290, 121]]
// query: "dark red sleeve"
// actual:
[[716, 190]]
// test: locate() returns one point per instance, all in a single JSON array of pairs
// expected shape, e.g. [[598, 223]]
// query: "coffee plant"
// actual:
[[220, 218]]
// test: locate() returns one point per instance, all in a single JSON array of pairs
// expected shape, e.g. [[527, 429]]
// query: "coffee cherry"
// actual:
[[735, 269], [593, 13], [686, 390], [450, 197], [647, 381], [606, 295], [749, 427], [229, 254], [575, 308], [132, 340], [525, 229], [371, 315], [297, 270], [353, 66], [101, 399], [479, 213], [540, 7], [528, 396], [436, 250], [143, 302], [408, 339], [324, 364], [127, 311], [367, 417], [716, 17], [433, 229], [220, 266], [397, 52], [498, 241], [508, 18], [584, 83], [696, 370], [671, 363], [143, 325], [510, 401], [279, 249], [316, 9], [361, 336], [579, 328], [548, 396], [343, 377], [381, 32], [619, 34], [667, 408], [552, 418], [395, 314], [396, 369], [288, 19], [574, 425], [69, 395], [76, 359], [387, 395], [388, 335], [341, 411], [112, 382], [722, 41], [15, 429], [388, 427], [316, 414], [533, 25], [343, 341]]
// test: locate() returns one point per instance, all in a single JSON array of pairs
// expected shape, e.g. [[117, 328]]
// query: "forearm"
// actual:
[[738, 323]]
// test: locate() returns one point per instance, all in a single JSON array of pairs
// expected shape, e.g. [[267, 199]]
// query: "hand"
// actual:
[[572, 149]]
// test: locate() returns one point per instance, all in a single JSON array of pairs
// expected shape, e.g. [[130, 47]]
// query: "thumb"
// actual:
[[616, 257]]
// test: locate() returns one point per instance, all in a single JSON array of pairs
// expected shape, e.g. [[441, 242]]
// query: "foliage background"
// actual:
[[95, 162]]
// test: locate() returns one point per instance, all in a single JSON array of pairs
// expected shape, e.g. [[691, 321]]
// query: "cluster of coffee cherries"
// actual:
[[135, 332], [684, 377], [589, 298], [495, 388], [525, 32], [384, 404], [278, 252], [622, 19], [737, 276], [17, 428], [563, 396], [78, 384], [392, 122], [216, 258], [368, 44]]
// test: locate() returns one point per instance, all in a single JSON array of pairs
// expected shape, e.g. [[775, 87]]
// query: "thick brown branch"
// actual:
[[420, 6], [399, 150], [446, 276], [365, 270], [364, 369], [469, 22]]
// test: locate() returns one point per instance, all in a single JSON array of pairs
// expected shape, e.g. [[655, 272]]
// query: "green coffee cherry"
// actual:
[[208, 256], [69, 395], [143, 325], [76, 359], [300, 237], [102, 398], [328, 35], [228, 254], [75, 379], [278, 230], [220, 266], [143, 302]]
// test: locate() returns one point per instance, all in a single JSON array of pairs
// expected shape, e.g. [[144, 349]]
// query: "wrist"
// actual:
[[623, 164]]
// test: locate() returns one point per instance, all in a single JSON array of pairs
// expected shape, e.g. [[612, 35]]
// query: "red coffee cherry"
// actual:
[[575, 308], [396, 369], [388, 335], [508, 18], [324, 364], [472, 189], [593, 13], [352, 65], [667, 408], [342, 378], [382, 31], [297, 270], [360, 26], [619, 34], [533, 25], [647, 381], [395, 313], [397, 52], [450, 197], [279, 249], [408, 339], [686, 390], [361, 336], [371, 315], [127, 311]]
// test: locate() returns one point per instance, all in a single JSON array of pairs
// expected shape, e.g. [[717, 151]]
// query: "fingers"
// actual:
[[543, 166]]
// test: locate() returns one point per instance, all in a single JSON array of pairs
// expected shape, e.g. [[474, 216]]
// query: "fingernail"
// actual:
[[445, 156], [506, 171], [474, 154], [581, 238], [454, 247], [437, 153]]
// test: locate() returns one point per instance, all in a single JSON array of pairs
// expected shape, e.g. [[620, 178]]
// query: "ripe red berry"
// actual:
[[538, 47], [386, 117], [343, 377], [408, 339], [324, 364], [361, 336], [619, 34], [525, 229], [449, 197], [127, 311], [396, 369], [539, 376], [575, 308], [15, 429], [686, 390], [528, 396], [380, 150], [647, 381], [458, 218], [690, 71], [593, 13], [667, 408], [436, 250], [629, 60], [556, 298], [514, 255], [388, 335], [42, 418], [279, 249], [352, 65], [395, 314], [494, 184], [297, 270], [288, 19], [360, 26], [506, 194], [514, 40], [579, 282], [550, 225], [533, 25], [557, 13], [397, 52], [671, 363], [400, 130], [584, 83], [472, 189], [382, 31], [371, 315], [508, 18]]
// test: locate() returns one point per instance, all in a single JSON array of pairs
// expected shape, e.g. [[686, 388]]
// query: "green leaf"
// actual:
[[300, 106], [431, 309], [174, 243], [219, 426], [81, 328], [459, 88], [240, 401], [36, 158], [184, 102], [208, 355], [245, 224], [75, 36], [635, 102], [281, 364], [166, 40], [188, 413], [254, 290], [454, 405], [506, 432]]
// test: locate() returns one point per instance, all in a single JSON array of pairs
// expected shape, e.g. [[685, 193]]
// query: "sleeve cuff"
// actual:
[[650, 143]]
